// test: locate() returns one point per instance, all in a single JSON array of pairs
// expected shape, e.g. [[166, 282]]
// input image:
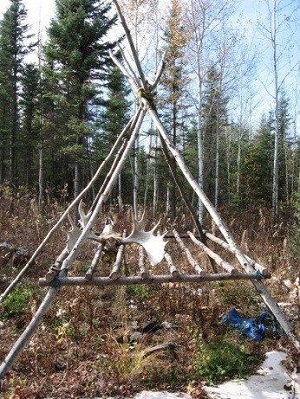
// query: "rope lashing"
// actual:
[[148, 95]]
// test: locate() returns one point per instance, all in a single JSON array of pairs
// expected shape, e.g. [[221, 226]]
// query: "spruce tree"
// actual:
[[112, 120], [77, 53], [257, 167], [13, 47], [29, 134], [115, 110]]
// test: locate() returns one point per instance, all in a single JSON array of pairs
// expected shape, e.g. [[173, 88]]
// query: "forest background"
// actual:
[[228, 98]]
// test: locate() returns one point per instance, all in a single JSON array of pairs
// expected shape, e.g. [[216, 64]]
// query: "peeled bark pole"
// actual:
[[263, 270], [219, 261], [28, 332], [188, 254], [151, 279]]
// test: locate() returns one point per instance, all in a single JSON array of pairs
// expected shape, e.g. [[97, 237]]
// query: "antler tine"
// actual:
[[84, 217], [71, 221], [155, 227]]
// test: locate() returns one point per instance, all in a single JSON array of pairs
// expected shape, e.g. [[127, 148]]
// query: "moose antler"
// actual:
[[75, 231], [154, 245]]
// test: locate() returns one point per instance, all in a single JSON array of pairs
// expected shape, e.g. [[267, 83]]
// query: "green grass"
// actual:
[[16, 302], [222, 360]]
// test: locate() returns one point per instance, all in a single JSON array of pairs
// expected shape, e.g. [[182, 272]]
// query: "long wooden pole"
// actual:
[[152, 279], [68, 258], [32, 326]]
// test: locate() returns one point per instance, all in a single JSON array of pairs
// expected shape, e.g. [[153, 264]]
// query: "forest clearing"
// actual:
[[140, 247]]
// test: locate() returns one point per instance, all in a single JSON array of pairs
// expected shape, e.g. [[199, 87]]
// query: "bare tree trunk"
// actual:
[[13, 133], [217, 167], [136, 177], [276, 132], [76, 179], [41, 177], [238, 167]]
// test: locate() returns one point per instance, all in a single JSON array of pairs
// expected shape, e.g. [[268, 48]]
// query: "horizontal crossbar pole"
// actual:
[[154, 279]]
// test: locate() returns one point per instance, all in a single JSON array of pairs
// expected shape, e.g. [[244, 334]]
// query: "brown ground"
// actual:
[[83, 346]]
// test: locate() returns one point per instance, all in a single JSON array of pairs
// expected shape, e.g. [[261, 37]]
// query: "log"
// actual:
[[95, 262], [28, 332], [219, 261], [144, 273], [152, 279], [263, 270], [115, 273], [173, 270], [188, 254]]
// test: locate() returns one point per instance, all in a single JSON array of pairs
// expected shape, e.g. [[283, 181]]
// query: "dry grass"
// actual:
[[83, 347]]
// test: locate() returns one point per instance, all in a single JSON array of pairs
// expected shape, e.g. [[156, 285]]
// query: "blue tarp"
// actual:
[[254, 328]]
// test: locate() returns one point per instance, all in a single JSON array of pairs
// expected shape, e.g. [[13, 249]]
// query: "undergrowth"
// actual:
[[84, 345], [222, 360]]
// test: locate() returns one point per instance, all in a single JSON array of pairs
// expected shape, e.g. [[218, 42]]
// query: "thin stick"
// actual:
[[130, 41]]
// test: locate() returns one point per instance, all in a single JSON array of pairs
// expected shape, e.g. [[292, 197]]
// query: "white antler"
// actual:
[[84, 217], [154, 245], [75, 230]]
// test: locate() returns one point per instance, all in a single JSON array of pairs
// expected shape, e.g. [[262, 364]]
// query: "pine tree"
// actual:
[[13, 35], [77, 53], [112, 121], [256, 175]]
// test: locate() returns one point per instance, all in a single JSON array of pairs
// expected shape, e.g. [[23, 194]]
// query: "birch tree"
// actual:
[[204, 20], [277, 31]]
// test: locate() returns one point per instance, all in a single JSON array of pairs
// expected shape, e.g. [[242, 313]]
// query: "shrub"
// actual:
[[15, 303], [218, 361]]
